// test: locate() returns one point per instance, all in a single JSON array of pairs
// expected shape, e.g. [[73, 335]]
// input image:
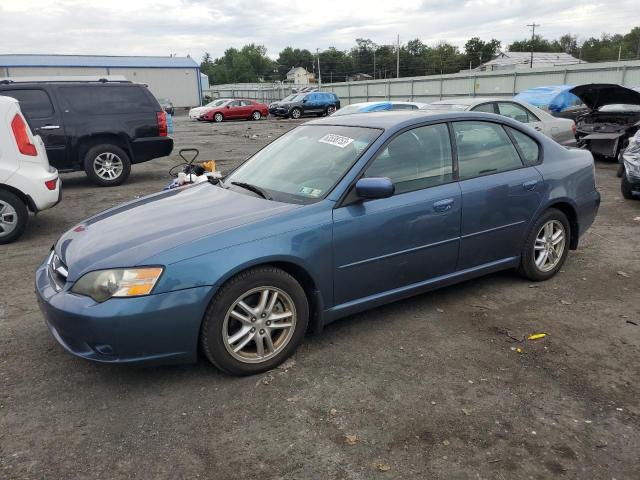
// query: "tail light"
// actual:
[[21, 135], [573, 129], [162, 123], [51, 184]]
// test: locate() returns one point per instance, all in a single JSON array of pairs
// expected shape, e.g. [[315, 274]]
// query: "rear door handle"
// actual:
[[443, 205], [48, 127], [530, 185]]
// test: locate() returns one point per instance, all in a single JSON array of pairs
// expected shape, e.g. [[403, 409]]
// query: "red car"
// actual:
[[236, 109]]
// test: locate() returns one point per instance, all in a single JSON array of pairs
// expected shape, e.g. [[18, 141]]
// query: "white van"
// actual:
[[27, 181]]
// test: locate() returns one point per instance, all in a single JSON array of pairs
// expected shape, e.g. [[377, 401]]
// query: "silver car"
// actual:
[[562, 130]]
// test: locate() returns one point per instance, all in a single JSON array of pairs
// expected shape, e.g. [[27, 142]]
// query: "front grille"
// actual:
[[57, 271]]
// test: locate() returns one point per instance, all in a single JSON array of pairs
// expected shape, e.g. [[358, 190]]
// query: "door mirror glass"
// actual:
[[375, 187]]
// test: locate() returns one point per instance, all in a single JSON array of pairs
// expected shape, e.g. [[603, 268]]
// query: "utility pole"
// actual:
[[398, 60], [374, 62], [533, 37], [319, 76]]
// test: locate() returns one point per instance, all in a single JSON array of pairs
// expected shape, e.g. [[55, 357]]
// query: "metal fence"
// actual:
[[495, 83], [263, 92], [498, 83]]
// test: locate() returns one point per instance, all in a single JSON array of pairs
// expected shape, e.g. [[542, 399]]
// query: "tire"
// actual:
[[218, 117], [296, 113], [256, 115], [13, 217], [107, 165], [529, 266], [625, 187], [219, 328], [620, 171], [330, 110]]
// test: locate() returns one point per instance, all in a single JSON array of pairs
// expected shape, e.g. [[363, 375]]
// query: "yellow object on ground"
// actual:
[[209, 165], [536, 336]]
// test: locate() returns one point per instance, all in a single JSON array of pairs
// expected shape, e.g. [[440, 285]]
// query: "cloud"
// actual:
[[161, 27]]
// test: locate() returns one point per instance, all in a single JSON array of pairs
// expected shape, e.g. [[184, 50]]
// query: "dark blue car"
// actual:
[[337, 216]]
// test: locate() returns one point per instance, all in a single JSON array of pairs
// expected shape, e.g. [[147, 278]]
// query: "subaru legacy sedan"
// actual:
[[336, 216]]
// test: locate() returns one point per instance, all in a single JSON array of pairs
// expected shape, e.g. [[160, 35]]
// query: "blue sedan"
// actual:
[[335, 217]]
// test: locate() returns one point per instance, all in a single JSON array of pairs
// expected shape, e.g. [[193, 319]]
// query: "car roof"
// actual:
[[397, 119], [472, 100]]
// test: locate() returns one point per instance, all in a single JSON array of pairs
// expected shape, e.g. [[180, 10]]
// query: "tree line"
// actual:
[[251, 63]]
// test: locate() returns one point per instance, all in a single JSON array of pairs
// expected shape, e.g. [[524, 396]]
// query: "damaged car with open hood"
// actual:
[[614, 118]]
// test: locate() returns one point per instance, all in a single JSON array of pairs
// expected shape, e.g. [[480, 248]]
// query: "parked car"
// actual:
[[313, 103], [167, 105], [562, 130], [630, 182], [613, 118], [274, 105], [555, 99], [196, 112], [237, 109], [100, 127], [332, 218], [367, 107], [27, 182]]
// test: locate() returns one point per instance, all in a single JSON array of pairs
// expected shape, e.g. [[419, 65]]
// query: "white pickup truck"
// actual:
[[27, 182]]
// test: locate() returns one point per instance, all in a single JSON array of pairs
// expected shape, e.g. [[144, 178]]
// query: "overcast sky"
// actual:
[[161, 27]]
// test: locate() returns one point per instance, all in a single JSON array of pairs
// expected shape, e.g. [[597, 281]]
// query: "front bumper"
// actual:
[[155, 329]]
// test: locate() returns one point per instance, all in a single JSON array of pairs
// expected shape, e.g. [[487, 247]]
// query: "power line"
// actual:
[[533, 36]]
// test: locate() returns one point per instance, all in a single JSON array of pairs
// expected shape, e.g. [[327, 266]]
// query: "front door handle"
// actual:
[[48, 127], [443, 205], [530, 185]]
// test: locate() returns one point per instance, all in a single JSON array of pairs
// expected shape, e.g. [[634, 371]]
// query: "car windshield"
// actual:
[[288, 98], [446, 106], [305, 164], [163, 100], [217, 103], [620, 107], [297, 98]]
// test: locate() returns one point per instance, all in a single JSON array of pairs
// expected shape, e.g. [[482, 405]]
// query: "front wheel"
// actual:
[[255, 321], [107, 165], [296, 113], [13, 217], [218, 117], [546, 247]]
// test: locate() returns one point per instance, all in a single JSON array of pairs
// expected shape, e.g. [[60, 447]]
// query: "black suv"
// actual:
[[100, 127], [314, 103]]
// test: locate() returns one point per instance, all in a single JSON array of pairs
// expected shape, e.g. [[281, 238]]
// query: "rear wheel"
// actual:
[[625, 187], [546, 247], [256, 115], [331, 109], [255, 321], [107, 165], [13, 217]]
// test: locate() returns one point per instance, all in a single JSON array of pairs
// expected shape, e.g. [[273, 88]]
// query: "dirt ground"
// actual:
[[433, 387]]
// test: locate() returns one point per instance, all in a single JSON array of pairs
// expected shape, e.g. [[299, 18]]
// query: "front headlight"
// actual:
[[101, 285]]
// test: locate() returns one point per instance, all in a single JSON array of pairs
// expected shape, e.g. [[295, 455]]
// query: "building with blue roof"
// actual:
[[175, 78]]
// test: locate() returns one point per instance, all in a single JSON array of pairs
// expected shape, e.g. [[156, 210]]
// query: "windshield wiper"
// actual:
[[253, 189]]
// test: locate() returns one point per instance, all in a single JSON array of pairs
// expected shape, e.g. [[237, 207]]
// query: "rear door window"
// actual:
[[484, 148], [403, 106], [107, 99], [34, 103], [516, 112], [484, 107]]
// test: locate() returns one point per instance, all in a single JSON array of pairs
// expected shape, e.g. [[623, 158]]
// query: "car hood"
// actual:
[[596, 95], [128, 234], [199, 109]]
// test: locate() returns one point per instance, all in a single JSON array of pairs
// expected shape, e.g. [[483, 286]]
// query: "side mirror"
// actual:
[[304, 100], [228, 106], [375, 187]]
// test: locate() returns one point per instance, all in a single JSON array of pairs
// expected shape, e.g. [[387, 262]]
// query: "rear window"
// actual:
[[33, 103], [102, 99]]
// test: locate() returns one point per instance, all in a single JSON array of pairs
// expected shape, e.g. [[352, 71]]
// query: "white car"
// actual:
[[382, 106], [562, 130], [194, 113], [27, 181]]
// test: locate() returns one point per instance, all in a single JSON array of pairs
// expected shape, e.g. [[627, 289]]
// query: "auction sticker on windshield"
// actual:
[[336, 140], [311, 192]]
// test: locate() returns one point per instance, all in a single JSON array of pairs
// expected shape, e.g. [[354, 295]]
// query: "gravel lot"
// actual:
[[428, 388]]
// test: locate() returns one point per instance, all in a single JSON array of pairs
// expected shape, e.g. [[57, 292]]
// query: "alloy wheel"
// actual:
[[217, 117], [257, 115], [331, 109], [295, 113], [8, 218], [108, 166], [259, 324], [549, 245]]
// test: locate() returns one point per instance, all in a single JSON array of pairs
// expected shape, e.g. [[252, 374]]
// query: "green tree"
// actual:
[[290, 57]]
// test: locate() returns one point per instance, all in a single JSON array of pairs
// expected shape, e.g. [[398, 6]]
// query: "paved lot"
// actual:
[[428, 388]]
